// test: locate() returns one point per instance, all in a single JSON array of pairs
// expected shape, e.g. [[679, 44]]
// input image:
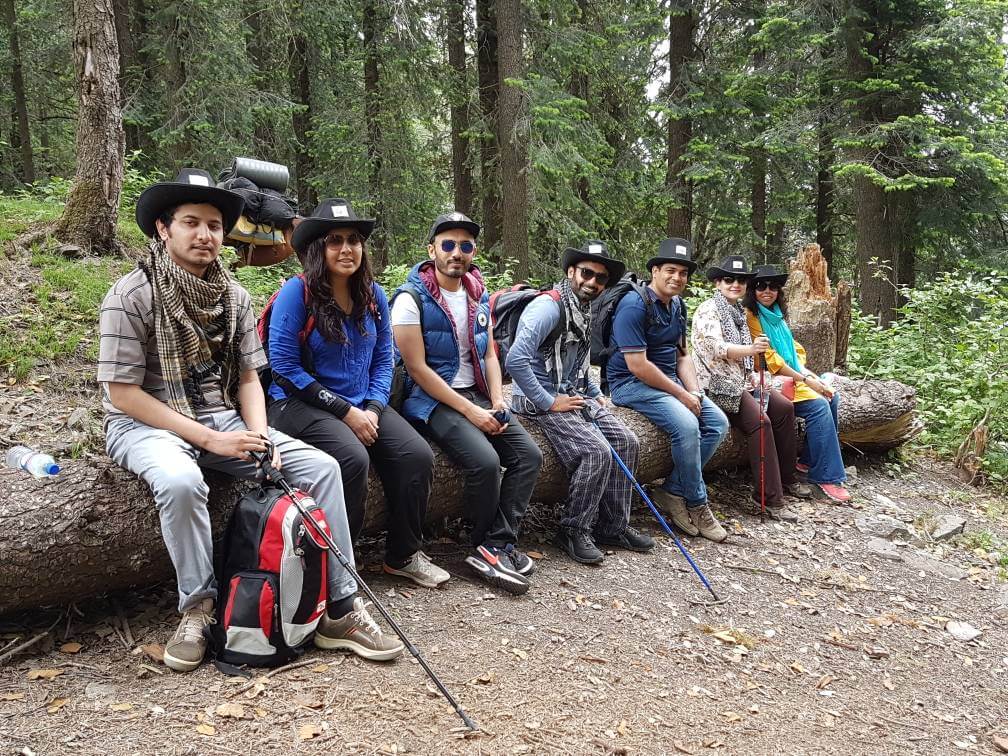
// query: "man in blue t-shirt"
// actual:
[[652, 373]]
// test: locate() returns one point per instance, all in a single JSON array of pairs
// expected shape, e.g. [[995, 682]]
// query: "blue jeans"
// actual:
[[693, 439], [822, 445]]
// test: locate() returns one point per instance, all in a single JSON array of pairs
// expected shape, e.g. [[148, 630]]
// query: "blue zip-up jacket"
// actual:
[[358, 371], [440, 343]]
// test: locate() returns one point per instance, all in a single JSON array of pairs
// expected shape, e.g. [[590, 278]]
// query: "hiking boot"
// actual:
[[420, 570], [783, 512], [578, 545], [706, 524], [523, 563], [184, 651], [835, 491], [356, 631], [630, 539], [494, 567], [675, 507], [801, 490]]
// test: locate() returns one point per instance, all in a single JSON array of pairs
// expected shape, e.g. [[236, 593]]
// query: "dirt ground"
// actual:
[[822, 647]]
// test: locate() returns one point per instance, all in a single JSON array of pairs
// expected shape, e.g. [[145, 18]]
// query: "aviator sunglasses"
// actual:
[[588, 274], [466, 247], [764, 285]]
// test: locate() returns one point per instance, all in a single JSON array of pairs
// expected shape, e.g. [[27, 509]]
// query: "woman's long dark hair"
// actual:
[[328, 315], [749, 300]]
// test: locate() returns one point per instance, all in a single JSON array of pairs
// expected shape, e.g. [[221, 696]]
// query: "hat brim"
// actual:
[[714, 273], [690, 264], [310, 229], [573, 256], [470, 226], [154, 200]]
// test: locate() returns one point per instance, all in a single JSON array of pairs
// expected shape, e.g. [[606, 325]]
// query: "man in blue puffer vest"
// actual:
[[441, 326]]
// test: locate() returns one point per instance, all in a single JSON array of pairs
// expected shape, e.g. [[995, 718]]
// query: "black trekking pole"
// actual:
[[589, 415], [263, 459]]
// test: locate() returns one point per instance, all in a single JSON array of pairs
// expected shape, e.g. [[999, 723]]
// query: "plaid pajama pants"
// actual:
[[599, 494]]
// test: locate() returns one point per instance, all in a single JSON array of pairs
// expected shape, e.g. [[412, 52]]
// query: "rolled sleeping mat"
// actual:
[[263, 174]]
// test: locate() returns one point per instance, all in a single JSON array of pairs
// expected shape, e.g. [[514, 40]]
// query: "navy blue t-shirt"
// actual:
[[633, 332]]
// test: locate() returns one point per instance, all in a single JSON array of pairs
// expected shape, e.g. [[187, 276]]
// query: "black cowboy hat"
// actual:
[[769, 273], [733, 265], [679, 251], [192, 185], [448, 221], [593, 250], [329, 214]]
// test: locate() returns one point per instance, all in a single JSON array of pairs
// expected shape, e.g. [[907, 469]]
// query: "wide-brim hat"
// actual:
[[192, 186], [733, 265], [448, 221], [331, 213], [678, 251], [769, 273], [593, 250]]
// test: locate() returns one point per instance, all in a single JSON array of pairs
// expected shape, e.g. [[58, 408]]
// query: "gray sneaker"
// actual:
[[675, 507], [706, 524], [784, 513], [421, 570], [185, 650], [357, 632], [799, 489]]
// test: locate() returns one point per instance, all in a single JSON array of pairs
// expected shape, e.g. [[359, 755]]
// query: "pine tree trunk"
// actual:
[[300, 87], [24, 141], [124, 38], [489, 91], [462, 179], [826, 158], [92, 208], [877, 224], [512, 137], [682, 25], [374, 32]]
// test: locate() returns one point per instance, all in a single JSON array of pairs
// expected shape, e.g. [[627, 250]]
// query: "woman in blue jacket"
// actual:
[[332, 391]]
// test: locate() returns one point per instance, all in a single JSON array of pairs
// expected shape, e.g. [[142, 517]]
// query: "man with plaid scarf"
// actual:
[[177, 364], [554, 390]]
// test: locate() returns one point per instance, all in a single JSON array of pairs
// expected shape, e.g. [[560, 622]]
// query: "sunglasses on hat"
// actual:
[[588, 274], [764, 285], [466, 247]]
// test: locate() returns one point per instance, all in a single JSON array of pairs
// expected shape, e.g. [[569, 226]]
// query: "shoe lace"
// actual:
[[193, 622], [707, 517], [363, 617], [514, 553]]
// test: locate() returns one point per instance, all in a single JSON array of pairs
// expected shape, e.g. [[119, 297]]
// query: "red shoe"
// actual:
[[835, 492], [801, 468]]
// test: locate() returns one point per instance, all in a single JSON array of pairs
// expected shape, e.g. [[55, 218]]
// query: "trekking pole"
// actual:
[[263, 459], [588, 415], [762, 448]]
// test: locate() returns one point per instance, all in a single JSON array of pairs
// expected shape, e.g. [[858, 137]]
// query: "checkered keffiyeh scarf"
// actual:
[[195, 322], [578, 317]]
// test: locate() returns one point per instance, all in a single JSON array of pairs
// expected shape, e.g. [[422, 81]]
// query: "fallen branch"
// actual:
[[277, 671]]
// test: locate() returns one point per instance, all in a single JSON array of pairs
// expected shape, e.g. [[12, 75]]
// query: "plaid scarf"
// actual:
[[578, 317], [195, 323]]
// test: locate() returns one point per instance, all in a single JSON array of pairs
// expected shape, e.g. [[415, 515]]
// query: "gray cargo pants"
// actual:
[[171, 467]]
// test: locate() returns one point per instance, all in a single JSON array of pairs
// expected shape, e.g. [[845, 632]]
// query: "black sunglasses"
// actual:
[[337, 240], [466, 247], [764, 285], [588, 274], [732, 279]]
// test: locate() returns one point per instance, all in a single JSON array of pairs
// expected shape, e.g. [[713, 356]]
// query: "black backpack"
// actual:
[[401, 382], [506, 308], [603, 310]]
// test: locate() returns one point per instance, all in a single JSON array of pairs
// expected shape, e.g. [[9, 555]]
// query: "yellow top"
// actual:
[[775, 362]]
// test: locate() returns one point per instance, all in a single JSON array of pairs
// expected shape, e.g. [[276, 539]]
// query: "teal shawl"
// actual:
[[776, 329]]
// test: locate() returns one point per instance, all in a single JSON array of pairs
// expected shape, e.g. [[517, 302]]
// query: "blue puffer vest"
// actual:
[[440, 343]]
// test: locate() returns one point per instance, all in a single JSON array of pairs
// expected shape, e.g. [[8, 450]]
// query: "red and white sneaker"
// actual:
[[835, 492], [801, 468]]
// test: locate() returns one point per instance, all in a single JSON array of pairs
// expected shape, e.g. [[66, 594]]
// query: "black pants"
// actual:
[[402, 458], [779, 443], [493, 503]]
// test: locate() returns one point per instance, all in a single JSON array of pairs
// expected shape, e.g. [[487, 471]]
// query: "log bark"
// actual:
[[98, 524]]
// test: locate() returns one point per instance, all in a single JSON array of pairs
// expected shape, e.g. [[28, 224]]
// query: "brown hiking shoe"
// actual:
[[706, 524], [675, 507], [358, 632], [184, 651]]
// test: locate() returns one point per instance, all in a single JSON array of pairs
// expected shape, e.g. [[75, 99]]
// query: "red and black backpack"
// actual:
[[262, 327]]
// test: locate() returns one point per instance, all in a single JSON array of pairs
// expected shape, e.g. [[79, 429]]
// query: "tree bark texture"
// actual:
[[92, 208], [825, 188], [455, 12], [374, 33], [512, 136], [878, 223], [682, 26], [812, 308], [842, 325], [489, 92], [300, 86], [18, 89], [99, 524]]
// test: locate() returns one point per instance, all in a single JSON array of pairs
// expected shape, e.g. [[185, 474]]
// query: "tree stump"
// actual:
[[812, 308], [94, 528]]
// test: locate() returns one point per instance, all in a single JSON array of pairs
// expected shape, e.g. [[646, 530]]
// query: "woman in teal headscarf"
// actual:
[[814, 398]]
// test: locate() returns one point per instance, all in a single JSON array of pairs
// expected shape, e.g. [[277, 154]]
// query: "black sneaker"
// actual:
[[522, 562], [579, 546], [630, 539], [494, 567]]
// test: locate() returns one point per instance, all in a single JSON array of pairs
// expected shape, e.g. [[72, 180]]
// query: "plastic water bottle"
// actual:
[[38, 464]]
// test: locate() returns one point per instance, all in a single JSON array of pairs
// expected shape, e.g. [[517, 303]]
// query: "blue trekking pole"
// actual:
[[589, 415]]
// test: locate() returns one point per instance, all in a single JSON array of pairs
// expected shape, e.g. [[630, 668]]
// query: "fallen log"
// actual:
[[94, 529]]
